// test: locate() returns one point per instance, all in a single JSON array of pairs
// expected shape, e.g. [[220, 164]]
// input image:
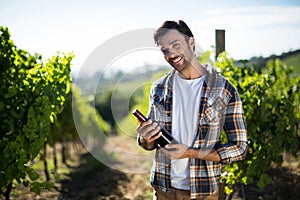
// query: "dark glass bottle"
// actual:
[[165, 138]]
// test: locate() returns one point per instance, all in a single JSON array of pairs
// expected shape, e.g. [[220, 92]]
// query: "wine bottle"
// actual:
[[165, 138]]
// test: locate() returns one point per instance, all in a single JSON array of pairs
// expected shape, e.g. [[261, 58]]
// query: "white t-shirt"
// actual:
[[186, 102]]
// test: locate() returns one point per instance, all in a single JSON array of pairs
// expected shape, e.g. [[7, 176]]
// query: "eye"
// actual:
[[176, 45]]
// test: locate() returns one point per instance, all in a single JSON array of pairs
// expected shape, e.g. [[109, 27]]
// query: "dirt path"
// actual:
[[88, 178], [93, 180]]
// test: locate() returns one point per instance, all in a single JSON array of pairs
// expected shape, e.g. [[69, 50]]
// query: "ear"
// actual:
[[192, 43]]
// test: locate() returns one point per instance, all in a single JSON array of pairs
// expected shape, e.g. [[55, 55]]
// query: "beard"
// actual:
[[179, 63]]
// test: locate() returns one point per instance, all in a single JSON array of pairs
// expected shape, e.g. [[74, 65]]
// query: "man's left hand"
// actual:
[[175, 151]]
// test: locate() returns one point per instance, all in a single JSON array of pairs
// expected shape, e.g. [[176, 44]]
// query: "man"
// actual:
[[194, 103]]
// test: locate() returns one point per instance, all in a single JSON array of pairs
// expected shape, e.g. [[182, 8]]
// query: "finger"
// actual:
[[172, 147], [151, 129], [152, 132], [146, 123], [143, 124], [148, 131], [155, 136]]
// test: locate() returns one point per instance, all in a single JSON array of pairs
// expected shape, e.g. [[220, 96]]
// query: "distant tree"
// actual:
[[114, 106]]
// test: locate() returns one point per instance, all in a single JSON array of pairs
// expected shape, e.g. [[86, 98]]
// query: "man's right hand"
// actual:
[[148, 133]]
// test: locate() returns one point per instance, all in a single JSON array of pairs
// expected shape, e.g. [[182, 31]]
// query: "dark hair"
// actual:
[[180, 26]]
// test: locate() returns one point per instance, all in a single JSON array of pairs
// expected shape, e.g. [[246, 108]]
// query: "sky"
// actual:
[[252, 28]]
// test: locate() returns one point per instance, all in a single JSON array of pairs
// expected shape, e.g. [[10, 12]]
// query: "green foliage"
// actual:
[[86, 116], [205, 57], [63, 128], [271, 105], [32, 93]]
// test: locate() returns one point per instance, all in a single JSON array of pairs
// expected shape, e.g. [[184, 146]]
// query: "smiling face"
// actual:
[[178, 51]]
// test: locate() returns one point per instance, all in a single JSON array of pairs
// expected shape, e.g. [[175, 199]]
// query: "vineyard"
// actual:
[[42, 156]]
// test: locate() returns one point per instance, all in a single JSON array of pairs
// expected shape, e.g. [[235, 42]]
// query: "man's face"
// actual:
[[177, 51]]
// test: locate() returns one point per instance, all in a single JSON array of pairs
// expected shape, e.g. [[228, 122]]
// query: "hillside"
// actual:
[[291, 58]]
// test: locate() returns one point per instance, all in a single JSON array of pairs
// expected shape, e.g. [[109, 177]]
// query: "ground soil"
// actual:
[[87, 178]]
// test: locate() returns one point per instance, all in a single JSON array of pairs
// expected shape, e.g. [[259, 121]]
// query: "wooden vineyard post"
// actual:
[[220, 47], [220, 42]]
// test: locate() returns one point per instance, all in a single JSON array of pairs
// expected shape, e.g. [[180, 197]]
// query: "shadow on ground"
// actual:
[[92, 180]]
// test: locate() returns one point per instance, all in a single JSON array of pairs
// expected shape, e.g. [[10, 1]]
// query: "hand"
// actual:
[[149, 132], [175, 151]]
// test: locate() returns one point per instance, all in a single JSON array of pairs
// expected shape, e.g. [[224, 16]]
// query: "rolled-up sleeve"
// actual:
[[235, 128]]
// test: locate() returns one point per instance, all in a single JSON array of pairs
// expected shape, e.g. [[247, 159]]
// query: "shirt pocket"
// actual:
[[214, 110], [160, 114]]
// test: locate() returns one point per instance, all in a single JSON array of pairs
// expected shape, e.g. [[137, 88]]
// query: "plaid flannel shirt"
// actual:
[[220, 108]]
